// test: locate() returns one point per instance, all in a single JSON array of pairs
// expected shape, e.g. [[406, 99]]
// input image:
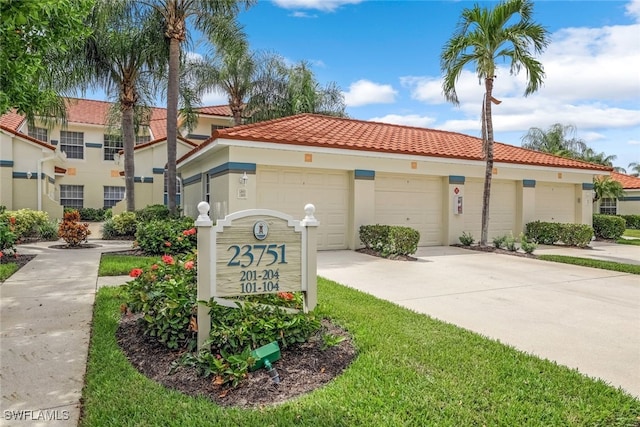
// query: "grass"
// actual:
[[629, 232], [628, 242], [119, 264], [6, 270], [595, 263], [410, 370]]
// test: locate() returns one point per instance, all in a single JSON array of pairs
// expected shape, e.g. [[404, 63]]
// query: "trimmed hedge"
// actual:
[[390, 240], [550, 233], [608, 226], [633, 221]]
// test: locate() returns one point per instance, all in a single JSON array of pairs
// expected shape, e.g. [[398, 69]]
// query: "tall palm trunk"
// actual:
[[172, 121], [488, 154], [128, 139]]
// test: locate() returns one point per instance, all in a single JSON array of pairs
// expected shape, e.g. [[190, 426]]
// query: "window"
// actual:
[[207, 188], [72, 143], [38, 133], [608, 206], [216, 127], [112, 195], [72, 196], [178, 192], [112, 144], [141, 139]]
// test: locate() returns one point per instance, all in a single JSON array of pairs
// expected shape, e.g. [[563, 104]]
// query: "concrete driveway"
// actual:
[[581, 317]]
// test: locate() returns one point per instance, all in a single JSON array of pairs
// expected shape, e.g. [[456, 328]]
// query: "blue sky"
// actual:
[[385, 56]]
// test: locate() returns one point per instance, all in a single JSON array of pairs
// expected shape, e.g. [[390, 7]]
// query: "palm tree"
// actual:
[[232, 70], [557, 140], [121, 56], [588, 155], [604, 187], [483, 36], [634, 169], [281, 91], [216, 19]]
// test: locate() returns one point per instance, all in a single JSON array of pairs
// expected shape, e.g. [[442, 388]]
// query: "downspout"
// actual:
[[40, 162]]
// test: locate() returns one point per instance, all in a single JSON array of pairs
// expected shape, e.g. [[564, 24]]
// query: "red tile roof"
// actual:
[[332, 132], [628, 182], [88, 111]]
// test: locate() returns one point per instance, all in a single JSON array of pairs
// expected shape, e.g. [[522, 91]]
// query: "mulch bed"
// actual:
[[21, 260], [302, 368], [379, 255]]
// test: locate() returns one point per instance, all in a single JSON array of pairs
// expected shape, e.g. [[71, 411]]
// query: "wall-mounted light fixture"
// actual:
[[29, 175], [244, 178], [142, 179]]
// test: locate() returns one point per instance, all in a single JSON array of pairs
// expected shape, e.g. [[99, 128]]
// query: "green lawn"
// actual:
[[6, 270], [634, 242], [119, 264], [632, 233], [411, 370], [588, 262]]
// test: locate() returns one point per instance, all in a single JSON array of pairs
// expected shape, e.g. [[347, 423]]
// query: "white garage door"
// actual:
[[555, 202], [502, 208], [411, 201], [288, 190]]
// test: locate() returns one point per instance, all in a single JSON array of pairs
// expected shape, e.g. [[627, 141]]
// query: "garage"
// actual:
[[288, 190], [411, 201], [502, 208], [555, 203]]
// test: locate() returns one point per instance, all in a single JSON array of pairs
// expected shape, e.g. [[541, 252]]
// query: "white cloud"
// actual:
[[323, 5], [298, 14], [592, 136], [425, 89], [633, 9], [214, 98], [364, 92], [406, 120], [633, 142]]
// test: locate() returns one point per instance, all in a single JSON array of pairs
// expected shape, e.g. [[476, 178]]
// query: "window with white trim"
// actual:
[[112, 144], [142, 139], [72, 196], [38, 133], [178, 193], [112, 195], [216, 127], [72, 143], [608, 206]]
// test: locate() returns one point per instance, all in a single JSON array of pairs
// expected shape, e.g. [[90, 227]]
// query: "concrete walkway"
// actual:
[[581, 317], [46, 310]]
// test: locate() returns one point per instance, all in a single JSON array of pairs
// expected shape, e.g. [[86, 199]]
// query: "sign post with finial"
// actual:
[[256, 251]]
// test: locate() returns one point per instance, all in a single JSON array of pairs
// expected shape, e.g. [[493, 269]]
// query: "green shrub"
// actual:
[[527, 246], [170, 236], [125, 224], [608, 226], [390, 240], [510, 243], [498, 242], [466, 239], [92, 214], [576, 235], [48, 231], [153, 212], [633, 221], [165, 294], [27, 222], [7, 239], [545, 233]]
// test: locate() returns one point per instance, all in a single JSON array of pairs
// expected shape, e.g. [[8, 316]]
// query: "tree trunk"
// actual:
[[488, 154], [128, 139], [172, 121]]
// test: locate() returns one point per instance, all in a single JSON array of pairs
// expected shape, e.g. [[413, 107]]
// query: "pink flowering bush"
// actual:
[[168, 236]]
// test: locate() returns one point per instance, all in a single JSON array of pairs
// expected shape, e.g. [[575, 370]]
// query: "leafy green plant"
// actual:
[[71, 230], [632, 221], [124, 224], [331, 340], [527, 246], [165, 294], [390, 240], [466, 239], [92, 214], [48, 231], [26, 222], [153, 213], [576, 234], [7, 238], [499, 241], [608, 226], [510, 243], [171, 236], [545, 233]]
